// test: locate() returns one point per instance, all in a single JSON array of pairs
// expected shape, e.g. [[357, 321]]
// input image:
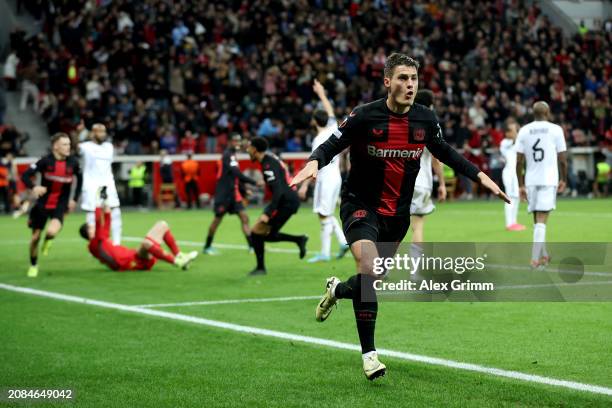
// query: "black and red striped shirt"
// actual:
[[57, 176], [386, 150]]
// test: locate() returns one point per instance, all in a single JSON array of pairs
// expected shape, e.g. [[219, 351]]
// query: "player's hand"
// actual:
[[317, 88], [523, 193], [308, 172], [39, 191], [561, 187], [303, 191], [441, 193], [71, 205], [494, 188], [264, 218]]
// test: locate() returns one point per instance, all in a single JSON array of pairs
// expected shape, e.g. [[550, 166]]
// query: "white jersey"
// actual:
[[98, 172], [507, 149], [424, 179], [97, 164], [540, 142], [332, 170]]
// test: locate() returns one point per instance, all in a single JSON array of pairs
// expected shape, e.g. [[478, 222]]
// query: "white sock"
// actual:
[[508, 210], [116, 226], [338, 231], [368, 354], [515, 208], [539, 241], [327, 228], [415, 252]]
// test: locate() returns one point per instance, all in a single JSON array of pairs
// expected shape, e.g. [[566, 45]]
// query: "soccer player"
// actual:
[[329, 181], [386, 139], [541, 146], [58, 170], [283, 205], [98, 154], [228, 199], [422, 204], [508, 150], [120, 258]]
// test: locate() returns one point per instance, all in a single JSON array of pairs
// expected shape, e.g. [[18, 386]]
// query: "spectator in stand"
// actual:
[[188, 143], [10, 71]]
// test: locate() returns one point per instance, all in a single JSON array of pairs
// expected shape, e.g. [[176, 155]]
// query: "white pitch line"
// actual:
[[516, 375], [231, 301], [292, 298]]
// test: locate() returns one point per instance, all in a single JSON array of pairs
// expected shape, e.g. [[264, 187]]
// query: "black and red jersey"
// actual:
[[386, 149], [57, 176], [276, 177], [229, 178]]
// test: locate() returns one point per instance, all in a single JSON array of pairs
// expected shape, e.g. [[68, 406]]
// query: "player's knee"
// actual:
[[147, 244]]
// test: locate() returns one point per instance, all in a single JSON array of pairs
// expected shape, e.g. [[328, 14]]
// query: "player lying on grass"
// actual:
[[120, 258]]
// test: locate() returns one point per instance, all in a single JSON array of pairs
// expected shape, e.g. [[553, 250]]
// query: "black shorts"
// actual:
[[360, 222], [228, 207], [39, 216], [280, 216]]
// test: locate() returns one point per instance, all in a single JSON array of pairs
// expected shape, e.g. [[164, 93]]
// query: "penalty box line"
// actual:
[[497, 372]]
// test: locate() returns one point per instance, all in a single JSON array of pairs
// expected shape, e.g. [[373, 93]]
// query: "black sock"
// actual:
[[365, 306], [281, 236], [248, 239], [48, 238], [258, 245], [33, 260], [209, 240], [344, 290]]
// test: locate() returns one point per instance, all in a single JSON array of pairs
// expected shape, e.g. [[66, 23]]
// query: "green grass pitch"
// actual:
[[112, 358]]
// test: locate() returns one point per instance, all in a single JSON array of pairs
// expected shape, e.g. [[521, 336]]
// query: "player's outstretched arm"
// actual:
[[307, 173], [320, 91], [446, 154]]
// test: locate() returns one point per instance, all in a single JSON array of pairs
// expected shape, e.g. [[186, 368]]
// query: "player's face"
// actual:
[[251, 151], [511, 131], [236, 143], [99, 133], [403, 85], [62, 147]]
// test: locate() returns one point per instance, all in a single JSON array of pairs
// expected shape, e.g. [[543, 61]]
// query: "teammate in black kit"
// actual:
[[386, 139], [284, 204], [58, 170], [228, 198]]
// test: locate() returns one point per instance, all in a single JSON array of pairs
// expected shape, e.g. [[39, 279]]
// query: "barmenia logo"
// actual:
[[413, 154]]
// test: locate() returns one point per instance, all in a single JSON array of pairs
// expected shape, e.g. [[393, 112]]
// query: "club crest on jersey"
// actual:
[[360, 214], [419, 135], [377, 132]]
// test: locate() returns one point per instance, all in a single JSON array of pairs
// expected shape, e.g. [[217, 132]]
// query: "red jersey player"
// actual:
[[120, 258]]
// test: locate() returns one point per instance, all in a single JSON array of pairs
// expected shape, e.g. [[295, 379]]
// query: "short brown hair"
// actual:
[[57, 137], [396, 59]]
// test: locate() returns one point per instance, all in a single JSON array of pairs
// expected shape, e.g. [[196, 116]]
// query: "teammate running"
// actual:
[[507, 148], [541, 145], [98, 154], [329, 181], [120, 258], [228, 199], [58, 170], [386, 139], [283, 205]]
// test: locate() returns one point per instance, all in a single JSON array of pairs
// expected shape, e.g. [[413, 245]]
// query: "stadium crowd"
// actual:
[[182, 75]]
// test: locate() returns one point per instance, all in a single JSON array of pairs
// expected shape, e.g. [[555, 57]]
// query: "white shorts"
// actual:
[[421, 202], [326, 196], [541, 198], [88, 198], [511, 186]]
